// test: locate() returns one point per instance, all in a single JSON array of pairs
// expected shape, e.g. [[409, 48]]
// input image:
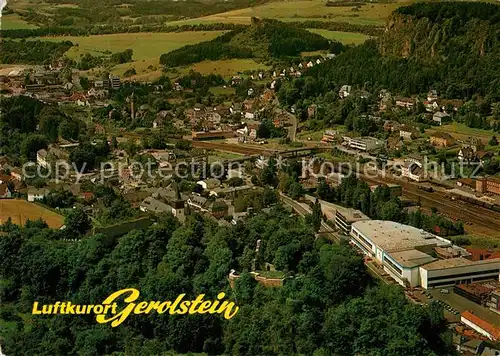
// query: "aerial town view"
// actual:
[[250, 177]]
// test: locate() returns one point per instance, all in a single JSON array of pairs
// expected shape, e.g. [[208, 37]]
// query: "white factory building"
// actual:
[[407, 255]]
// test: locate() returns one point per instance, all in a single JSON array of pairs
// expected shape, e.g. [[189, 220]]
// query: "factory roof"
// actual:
[[352, 215], [392, 237], [411, 258], [458, 262]]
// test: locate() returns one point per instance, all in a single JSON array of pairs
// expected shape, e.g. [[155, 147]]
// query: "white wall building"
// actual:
[[37, 194], [363, 143], [405, 253], [458, 270]]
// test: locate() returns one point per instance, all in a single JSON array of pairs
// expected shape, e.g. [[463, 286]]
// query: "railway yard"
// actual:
[[477, 219]]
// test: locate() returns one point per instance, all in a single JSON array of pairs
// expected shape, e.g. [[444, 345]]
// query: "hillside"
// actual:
[[451, 47], [433, 30], [263, 39]]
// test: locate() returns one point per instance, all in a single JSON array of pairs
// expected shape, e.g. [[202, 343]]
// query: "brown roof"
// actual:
[[491, 329], [3, 189]]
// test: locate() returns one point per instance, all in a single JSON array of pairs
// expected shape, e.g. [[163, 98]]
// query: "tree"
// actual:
[[315, 218], [268, 174], [77, 221], [493, 141], [31, 144], [183, 145], [235, 182], [296, 190]]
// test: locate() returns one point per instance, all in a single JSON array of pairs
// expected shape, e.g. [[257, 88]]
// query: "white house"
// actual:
[[41, 158], [345, 91], [37, 194], [209, 183]]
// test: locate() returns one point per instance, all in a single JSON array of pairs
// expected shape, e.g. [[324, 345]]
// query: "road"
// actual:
[[303, 209]]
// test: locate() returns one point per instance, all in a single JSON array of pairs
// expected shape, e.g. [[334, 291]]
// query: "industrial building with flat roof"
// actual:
[[407, 255], [345, 217]]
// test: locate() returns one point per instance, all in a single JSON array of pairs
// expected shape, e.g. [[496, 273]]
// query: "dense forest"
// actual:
[[218, 48], [27, 125], [32, 52], [263, 39], [370, 30], [328, 305], [108, 29], [456, 56]]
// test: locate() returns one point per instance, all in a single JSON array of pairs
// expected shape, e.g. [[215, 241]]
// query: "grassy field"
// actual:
[[222, 90], [343, 37], [146, 45], [302, 10], [226, 67], [14, 22], [21, 210], [461, 131]]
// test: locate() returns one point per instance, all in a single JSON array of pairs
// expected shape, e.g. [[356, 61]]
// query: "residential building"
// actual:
[[406, 103], [114, 82], [408, 133], [413, 170], [209, 183], [5, 191], [42, 158], [37, 194], [197, 202], [442, 139], [345, 91], [330, 136], [440, 117], [153, 205], [432, 95], [16, 174], [474, 143], [468, 155], [431, 106], [312, 111]]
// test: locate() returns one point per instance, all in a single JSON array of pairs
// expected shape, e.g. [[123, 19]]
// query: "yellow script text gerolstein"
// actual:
[[109, 312]]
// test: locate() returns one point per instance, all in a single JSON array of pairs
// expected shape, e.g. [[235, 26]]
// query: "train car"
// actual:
[[426, 188]]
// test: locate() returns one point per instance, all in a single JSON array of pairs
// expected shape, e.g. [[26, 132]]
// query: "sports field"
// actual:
[[303, 10], [343, 37], [20, 210]]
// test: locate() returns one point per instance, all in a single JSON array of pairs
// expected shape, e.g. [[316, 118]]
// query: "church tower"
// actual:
[[178, 204]]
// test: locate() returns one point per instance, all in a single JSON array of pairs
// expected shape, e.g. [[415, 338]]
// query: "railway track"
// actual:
[[478, 219], [481, 220], [228, 147]]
